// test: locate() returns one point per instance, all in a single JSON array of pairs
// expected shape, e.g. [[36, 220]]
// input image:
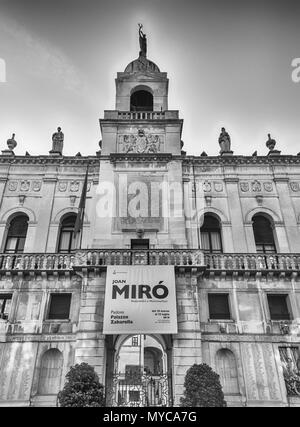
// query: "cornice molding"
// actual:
[[63, 160], [135, 157]]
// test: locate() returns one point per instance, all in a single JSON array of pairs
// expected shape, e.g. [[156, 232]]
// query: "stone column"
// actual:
[[45, 214], [288, 213], [187, 343], [90, 342], [251, 246], [236, 216]]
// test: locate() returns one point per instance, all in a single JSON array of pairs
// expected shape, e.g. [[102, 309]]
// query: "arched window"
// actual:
[[16, 235], [227, 369], [66, 240], [263, 235], [211, 235], [141, 100], [50, 372]]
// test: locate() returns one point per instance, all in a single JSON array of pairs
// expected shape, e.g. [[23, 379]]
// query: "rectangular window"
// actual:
[[218, 306], [5, 304], [135, 341], [278, 307], [59, 306]]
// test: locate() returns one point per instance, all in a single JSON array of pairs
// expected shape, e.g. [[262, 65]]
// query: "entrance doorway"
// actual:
[[141, 376]]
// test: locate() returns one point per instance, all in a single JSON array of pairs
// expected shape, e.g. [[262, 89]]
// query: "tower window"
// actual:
[[263, 235], [141, 100], [16, 235], [211, 235], [66, 236], [278, 307]]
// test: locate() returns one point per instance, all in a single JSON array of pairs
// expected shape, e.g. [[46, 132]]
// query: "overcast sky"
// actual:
[[229, 64]]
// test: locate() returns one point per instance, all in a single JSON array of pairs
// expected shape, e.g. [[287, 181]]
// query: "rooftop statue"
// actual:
[[12, 143], [57, 141], [143, 41], [224, 141]]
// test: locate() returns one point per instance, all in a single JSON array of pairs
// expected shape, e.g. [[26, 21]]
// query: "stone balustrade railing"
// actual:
[[140, 115], [254, 262], [177, 257]]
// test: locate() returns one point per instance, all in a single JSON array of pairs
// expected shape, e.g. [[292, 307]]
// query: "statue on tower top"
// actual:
[[143, 41]]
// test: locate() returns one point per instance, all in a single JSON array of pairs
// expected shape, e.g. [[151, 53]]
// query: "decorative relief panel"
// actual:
[[256, 186], [211, 186], [72, 186], [24, 185], [295, 186], [140, 143]]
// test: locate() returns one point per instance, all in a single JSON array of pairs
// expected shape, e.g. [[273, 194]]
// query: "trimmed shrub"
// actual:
[[202, 388]]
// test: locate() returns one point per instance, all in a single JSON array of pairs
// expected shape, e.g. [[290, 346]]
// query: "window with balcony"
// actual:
[[218, 305], [140, 248], [141, 100], [5, 304], [210, 231], [59, 308], [278, 307], [66, 240], [263, 235], [16, 234]]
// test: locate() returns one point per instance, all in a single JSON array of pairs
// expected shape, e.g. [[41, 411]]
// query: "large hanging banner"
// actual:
[[140, 299]]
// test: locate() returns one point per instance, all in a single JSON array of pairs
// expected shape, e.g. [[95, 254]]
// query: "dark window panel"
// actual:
[[59, 306], [218, 306]]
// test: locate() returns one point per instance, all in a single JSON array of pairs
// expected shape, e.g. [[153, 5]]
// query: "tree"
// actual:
[[82, 388], [202, 388]]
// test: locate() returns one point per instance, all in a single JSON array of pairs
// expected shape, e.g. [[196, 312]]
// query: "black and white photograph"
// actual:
[[149, 206]]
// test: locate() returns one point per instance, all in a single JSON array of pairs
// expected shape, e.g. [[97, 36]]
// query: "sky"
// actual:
[[228, 61]]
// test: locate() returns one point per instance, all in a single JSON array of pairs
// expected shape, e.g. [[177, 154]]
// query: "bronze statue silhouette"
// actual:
[[143, 41]]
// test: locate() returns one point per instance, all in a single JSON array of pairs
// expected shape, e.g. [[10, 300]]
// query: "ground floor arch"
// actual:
[[138, 370]]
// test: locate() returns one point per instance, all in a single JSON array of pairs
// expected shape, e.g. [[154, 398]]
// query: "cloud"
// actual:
[[40, 58]]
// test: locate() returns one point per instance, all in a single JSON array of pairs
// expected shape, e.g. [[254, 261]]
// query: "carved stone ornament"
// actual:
[[25, 185], [89, 184], [244, 186], [13, 185], [268, 186], [206, 186], [21, 199], [295, 186], [36, 185], [62, 186], [140, 143], [74, 186], [256, 186], [218, 186], [72, 200]]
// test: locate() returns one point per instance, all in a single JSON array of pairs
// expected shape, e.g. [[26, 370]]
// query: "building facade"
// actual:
[[229, 226]]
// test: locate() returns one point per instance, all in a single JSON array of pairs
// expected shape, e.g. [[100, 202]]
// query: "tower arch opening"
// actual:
[[141, 99]]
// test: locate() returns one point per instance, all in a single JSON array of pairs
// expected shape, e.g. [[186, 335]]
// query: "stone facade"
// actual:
[[142, 149]]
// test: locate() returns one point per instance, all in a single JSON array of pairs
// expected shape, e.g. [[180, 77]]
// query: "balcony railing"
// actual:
[[177, 257], [252, 261], [140, 115]]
